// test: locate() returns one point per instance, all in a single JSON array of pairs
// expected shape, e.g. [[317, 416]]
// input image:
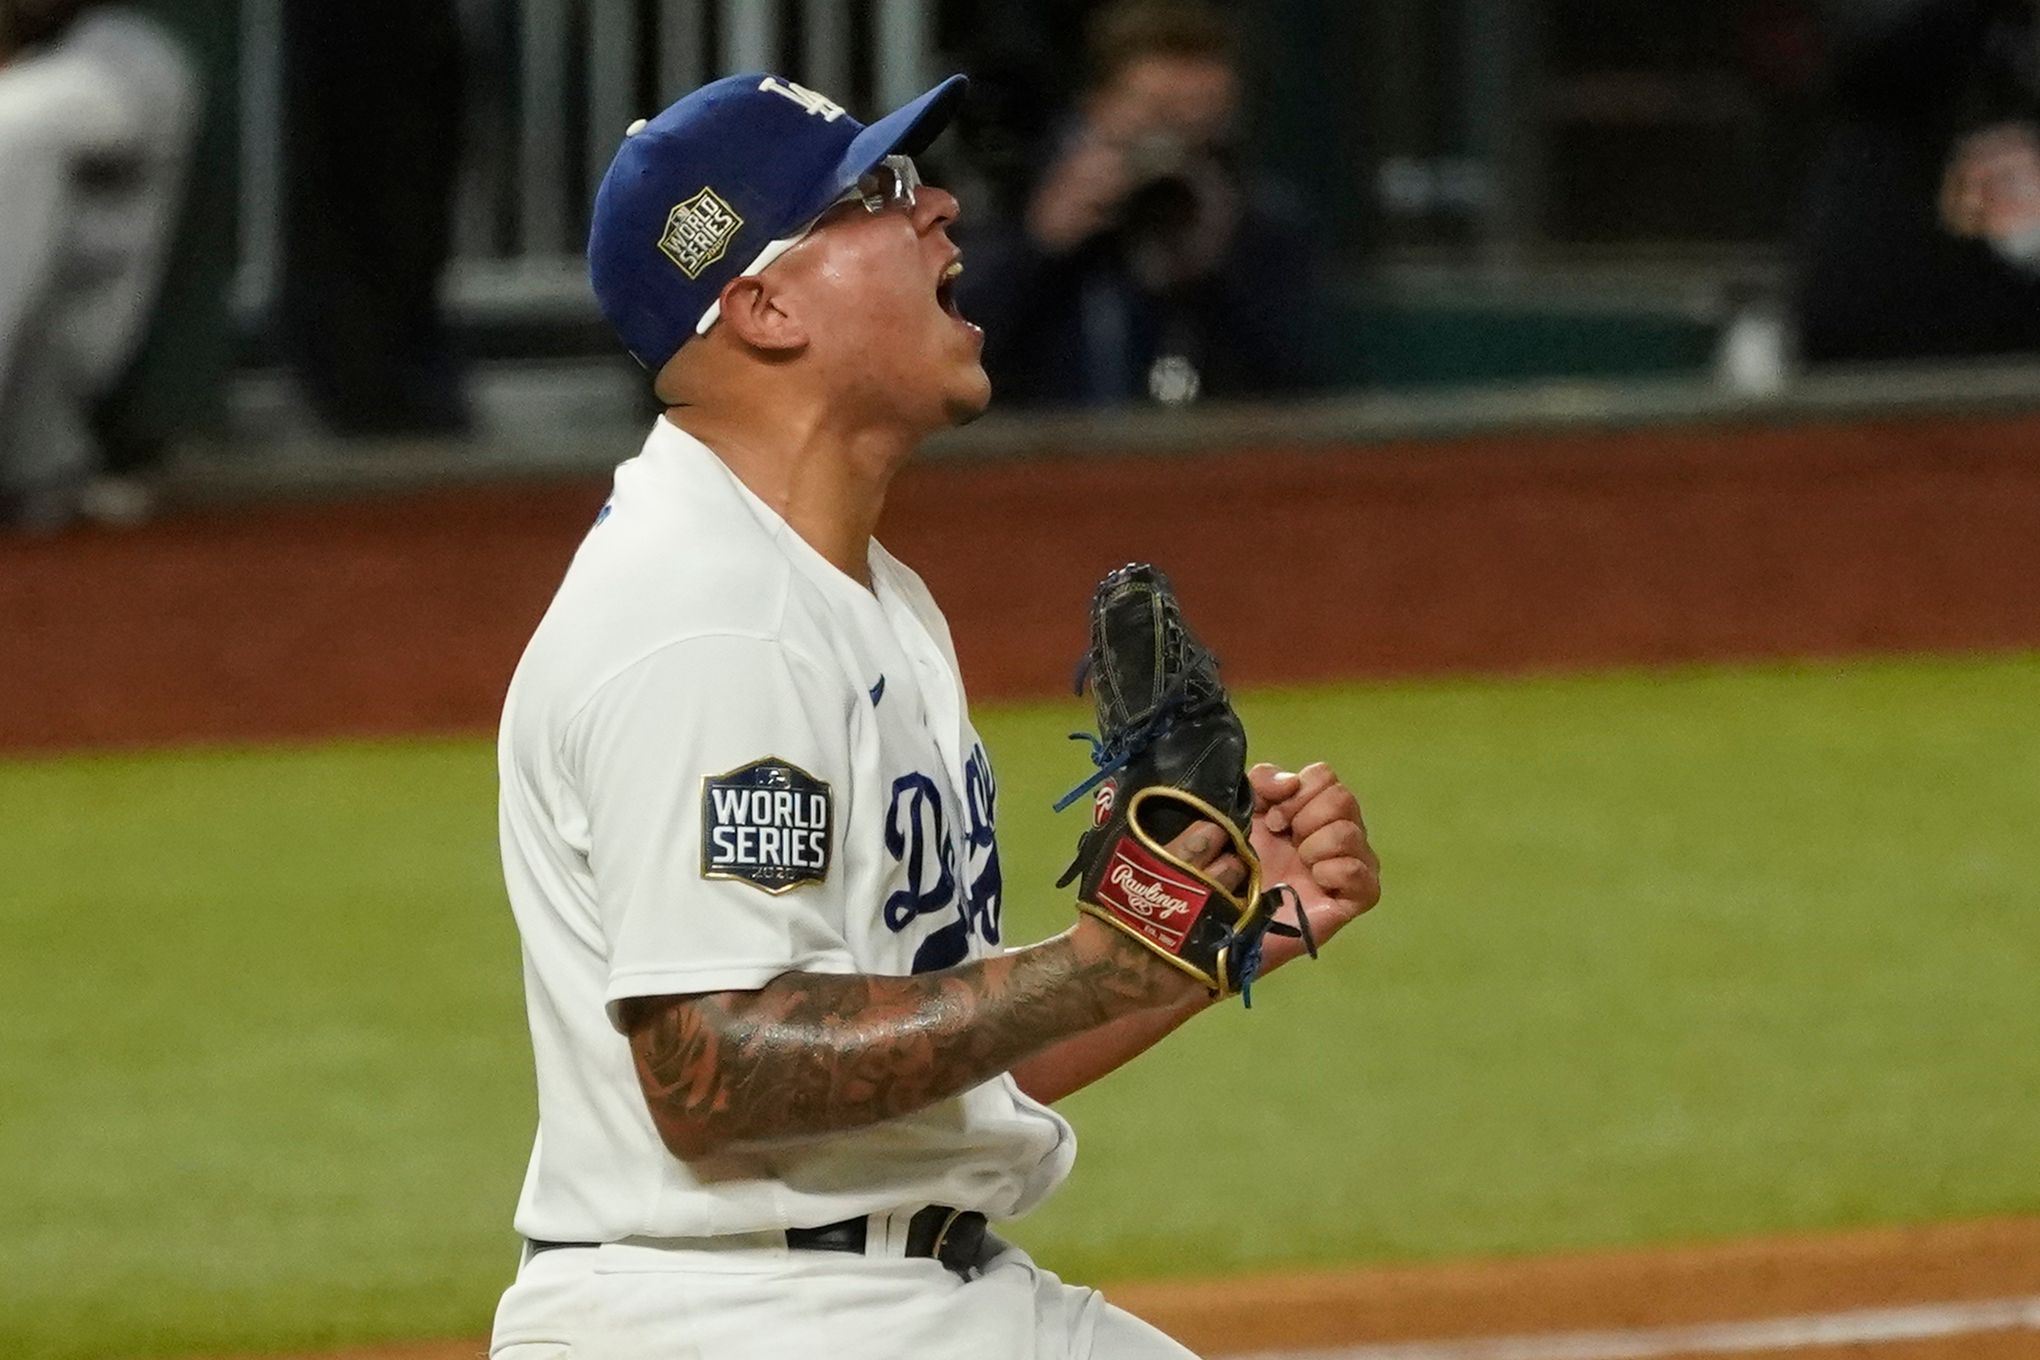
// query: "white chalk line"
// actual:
[[1921, 1322]]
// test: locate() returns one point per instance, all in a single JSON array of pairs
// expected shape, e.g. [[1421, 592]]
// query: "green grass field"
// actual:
[[1662, 957]]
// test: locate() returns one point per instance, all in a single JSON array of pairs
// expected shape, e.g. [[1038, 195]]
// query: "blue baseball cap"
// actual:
[[697, 195]]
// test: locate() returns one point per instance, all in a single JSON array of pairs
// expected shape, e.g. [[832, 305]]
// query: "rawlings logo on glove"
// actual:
[[1148, 896], [1137, 886]]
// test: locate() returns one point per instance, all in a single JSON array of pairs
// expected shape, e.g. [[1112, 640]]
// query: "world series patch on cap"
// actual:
[[696, 194], [769, 823]]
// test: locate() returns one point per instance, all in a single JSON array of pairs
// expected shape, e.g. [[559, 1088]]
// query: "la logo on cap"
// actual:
[[698, 231], [808, 99]]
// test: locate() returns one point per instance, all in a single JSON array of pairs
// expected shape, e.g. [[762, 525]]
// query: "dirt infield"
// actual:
[[1603, 1292], [406, 615], [1607, 1305]]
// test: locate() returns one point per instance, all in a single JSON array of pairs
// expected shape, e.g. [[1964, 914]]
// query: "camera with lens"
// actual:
[[1173, 180]]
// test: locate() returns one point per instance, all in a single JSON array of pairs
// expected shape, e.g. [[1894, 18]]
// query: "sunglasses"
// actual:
[[889, 184]]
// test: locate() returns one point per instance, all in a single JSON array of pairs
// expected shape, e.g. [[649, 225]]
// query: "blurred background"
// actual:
[[1610, 433], [285, 225]]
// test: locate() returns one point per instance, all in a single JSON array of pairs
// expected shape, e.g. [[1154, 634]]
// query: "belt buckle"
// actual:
[[942, 1233], [968, 1270]]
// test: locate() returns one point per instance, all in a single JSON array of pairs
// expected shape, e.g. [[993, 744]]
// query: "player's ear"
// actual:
[[756, 311]]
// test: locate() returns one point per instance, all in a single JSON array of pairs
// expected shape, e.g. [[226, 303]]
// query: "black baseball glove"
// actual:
[[1170, 752]]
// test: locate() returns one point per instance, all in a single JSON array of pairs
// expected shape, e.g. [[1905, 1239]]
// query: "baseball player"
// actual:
[[788, 1068]]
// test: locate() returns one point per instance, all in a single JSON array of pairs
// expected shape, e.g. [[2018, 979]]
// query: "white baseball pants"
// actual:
[[622, 1301]]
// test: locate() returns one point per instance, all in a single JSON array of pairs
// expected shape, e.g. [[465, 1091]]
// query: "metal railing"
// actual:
[[556, 83]]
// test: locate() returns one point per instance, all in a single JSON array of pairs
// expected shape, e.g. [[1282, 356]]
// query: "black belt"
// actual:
[[955, 1237]]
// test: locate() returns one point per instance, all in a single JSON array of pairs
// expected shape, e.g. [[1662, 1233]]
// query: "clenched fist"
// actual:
[[1309, 833]]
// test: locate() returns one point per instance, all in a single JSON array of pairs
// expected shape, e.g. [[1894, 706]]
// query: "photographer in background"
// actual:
[[1148, 263], [98, 108], [1923, 235]]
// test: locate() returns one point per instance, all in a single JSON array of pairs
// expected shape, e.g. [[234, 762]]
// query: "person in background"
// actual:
[[1922, 238], [98, 108], [1148, 262], [373, 100]]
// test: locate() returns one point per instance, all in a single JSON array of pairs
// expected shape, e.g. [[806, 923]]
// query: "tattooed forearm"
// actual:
[[816, 1052]]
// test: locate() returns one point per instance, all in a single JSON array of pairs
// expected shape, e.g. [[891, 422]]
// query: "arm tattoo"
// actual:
[[813, 1053]]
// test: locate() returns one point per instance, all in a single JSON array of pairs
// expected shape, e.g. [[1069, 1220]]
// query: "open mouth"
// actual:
[[945, 289]]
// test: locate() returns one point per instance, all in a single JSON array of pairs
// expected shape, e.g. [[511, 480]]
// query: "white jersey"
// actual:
[[723, 759]]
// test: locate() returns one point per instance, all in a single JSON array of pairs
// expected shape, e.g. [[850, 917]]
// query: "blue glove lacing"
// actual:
[[1248, 965]]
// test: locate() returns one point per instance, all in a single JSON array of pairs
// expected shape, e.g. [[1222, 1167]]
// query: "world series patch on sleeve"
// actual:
[[768, 823]]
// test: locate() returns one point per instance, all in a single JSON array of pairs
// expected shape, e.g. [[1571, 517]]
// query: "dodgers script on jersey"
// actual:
[[722, 760]]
